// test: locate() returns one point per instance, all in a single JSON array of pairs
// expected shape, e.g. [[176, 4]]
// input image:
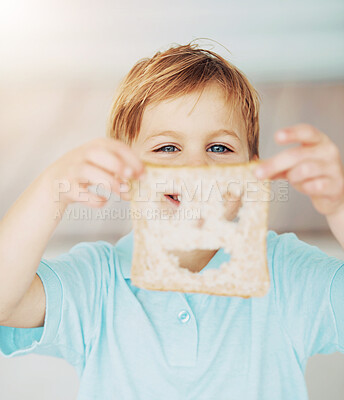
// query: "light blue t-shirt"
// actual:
[[128, 343]]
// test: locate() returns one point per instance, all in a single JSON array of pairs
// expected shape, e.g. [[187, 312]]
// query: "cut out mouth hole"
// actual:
[[185, 255]]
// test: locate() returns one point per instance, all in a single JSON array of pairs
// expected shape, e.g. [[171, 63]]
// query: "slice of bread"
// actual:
[[207, 217]]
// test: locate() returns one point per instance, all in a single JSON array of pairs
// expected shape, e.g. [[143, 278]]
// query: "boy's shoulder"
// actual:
[[290, 246], [93, 254], [296, 265]]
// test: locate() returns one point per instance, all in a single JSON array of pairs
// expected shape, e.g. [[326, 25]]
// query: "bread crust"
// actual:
[[155, 268]]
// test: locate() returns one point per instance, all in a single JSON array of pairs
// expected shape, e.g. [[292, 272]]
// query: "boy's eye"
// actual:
[[216, 148], [219, 148], [168, 148]]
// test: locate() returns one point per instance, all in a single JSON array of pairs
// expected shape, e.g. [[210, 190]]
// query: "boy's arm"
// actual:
[[29, 223], [313, 168], [24, 233]]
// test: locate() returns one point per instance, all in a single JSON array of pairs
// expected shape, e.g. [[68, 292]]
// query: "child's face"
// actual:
[[193, 130], [181, 132]]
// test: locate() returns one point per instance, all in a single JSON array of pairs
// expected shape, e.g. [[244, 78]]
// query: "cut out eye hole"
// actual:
[[232, 206]]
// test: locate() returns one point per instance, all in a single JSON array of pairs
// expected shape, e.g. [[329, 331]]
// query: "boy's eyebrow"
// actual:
[[177, 134], [225, 131]]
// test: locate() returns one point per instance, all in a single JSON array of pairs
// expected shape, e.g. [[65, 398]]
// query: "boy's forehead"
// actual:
[[208, 110], [193, 101]]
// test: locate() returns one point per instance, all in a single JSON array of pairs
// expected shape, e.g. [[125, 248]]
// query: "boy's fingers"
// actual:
[[282, 175], [319, 186], [93, 200], [114, 163], [326, 151], [97, 148], [105, 160], [122, 188], [307, 169], [125, 196], [96, 175], [127, 154], [283, 161], [302, 133]]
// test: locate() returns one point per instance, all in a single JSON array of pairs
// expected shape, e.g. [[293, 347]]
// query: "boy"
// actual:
[[183, 106]]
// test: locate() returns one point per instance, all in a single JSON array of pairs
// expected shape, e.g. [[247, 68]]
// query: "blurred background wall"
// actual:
[[60, 63]]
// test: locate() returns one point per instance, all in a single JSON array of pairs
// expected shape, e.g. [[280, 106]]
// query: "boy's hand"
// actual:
[[313, 168], [104, 161]]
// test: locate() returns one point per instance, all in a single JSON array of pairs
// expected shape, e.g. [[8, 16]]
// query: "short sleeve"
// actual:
[[309, 289], [73, 287]]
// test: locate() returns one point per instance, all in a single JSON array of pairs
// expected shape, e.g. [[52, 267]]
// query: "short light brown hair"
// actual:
[[175, 72]]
